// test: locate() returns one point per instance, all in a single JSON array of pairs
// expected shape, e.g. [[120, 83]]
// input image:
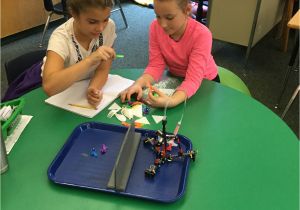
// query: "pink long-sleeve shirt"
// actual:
[[190, 57]]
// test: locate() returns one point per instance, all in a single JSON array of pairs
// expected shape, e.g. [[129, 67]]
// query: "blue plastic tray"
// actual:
[[73, 165]]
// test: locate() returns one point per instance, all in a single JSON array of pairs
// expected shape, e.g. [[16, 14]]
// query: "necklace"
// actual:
[[95, 47]]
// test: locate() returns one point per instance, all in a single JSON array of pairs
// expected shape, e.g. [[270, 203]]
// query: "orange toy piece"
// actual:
[[138, 125], [136, 103], [125, 124]]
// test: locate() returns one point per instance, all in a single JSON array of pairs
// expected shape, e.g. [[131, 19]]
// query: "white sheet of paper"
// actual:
[[14, 136], [76, 94]]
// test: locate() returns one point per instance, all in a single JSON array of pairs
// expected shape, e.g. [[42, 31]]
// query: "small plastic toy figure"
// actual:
[[146, 110], [93, 153], [151, 171], [103, 149]]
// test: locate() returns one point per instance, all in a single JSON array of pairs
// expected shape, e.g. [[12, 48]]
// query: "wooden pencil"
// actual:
[[83, 106]]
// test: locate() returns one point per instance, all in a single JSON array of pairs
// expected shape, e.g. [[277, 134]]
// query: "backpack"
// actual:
[[28, 80]]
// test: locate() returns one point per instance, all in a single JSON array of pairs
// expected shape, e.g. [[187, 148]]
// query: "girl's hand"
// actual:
[[158, 100], [135, 88], [94, 96], [103, 53]]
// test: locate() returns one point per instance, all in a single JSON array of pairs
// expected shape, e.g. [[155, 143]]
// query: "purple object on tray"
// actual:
[[103, 149]]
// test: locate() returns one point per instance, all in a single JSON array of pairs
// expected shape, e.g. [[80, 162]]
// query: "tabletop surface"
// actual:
[[247, 156], [295, 21]]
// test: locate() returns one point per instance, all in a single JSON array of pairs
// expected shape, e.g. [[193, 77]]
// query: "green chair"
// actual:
[[231, 80]]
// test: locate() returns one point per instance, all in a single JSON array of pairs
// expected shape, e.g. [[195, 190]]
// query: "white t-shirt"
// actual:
[[61, 42]]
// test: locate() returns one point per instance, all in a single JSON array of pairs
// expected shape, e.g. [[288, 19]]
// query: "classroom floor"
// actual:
[[263, 76]]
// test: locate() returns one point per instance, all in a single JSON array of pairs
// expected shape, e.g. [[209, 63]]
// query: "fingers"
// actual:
[[153, 99], [148, 85], [130, 92], [94, 97], [127, 94], [123, 96], [147, 102], [156, 98], [155, 93], [113, 53], [104, 56], [106, 53], [153, 103], [140, 95], [95, 93], [156, 90]]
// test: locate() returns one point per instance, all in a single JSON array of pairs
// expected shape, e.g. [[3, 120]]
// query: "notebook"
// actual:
[[76, 94]]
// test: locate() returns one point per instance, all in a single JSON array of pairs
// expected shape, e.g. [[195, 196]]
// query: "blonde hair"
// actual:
[[182, 4], [77, 6]]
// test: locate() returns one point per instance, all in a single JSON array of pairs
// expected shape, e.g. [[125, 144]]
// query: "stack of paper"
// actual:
[[14, 136], [76, 94]]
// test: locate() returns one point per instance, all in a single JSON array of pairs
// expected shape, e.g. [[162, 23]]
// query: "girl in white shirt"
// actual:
[[81, 48]]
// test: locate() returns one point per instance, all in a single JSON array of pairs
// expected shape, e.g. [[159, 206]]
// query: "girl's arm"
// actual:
[[101, 75], [154, 69], [177, 98], [144, 80], [94, 95], [200, 63], [57, 78], [156, 64]]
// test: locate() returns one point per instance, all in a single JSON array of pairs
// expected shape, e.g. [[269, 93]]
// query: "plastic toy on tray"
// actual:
[[162, 145], [121, 170]]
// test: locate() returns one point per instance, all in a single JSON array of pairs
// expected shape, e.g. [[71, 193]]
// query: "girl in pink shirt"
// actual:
[[181, 43]]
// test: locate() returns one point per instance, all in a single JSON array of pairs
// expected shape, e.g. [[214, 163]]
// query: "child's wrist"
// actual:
[[171, 102], [93, 86], [138, 83], [91, 61]]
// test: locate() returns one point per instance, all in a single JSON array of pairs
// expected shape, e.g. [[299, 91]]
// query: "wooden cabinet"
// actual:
[[243, 22], [20, 15]]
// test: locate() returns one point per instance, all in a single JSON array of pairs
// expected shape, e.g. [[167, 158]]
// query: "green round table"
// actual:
[[248, 158]]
